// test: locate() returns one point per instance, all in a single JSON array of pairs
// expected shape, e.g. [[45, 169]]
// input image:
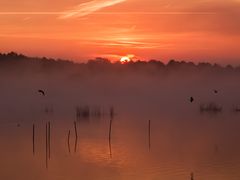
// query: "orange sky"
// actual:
[[199, 30]]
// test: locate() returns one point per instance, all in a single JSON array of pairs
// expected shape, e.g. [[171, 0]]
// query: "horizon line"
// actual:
[[134, 61]]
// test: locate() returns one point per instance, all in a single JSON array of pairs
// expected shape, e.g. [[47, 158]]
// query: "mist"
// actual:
[[131, 88]]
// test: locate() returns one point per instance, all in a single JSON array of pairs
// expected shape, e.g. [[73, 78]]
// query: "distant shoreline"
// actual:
[[99, 60]]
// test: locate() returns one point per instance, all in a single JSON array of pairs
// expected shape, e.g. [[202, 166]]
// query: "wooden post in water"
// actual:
[[33, 139], [49, 142], [111, 112], [76, 136], [192, 176], [110, 138], [46, 145], [149, 134], [69, 150]]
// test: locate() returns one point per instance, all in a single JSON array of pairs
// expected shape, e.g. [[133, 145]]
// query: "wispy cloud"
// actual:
[[66, 13], [89, 8]]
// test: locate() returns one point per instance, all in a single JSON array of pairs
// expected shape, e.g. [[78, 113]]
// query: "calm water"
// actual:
[[180, 143]]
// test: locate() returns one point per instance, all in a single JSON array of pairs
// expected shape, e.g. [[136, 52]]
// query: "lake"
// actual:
[[176, 146]]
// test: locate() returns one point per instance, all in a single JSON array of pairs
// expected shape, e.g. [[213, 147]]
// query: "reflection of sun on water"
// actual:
[[98, 152]]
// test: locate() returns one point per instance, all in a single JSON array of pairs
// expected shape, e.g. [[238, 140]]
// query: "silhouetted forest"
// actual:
[[19, 63]]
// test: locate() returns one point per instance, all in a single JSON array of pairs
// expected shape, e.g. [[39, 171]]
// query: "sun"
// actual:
[[125, 59]]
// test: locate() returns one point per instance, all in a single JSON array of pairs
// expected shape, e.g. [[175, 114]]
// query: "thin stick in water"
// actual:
[[33, 139], [69, 150], [49, 142], [149, 134], [46, 145], [75, 127], [110, 138], [192, 176], [76, 136]]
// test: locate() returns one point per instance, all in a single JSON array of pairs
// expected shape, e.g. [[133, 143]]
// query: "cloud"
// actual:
[[87, 8]]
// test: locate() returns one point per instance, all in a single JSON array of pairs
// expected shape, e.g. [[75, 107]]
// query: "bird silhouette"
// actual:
[[41, 92], [215, 91], [191, 99]]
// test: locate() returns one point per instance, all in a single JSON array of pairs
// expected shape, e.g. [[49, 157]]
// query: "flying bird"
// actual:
[[191, 99], [215, 91], [41, 92]]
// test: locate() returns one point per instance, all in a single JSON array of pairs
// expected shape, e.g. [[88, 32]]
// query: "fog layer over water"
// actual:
[[182, 139]]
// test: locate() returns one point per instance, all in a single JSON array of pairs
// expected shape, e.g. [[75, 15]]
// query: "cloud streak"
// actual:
[[89, 8]]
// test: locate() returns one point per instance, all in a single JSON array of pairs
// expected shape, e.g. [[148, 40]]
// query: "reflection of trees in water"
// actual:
[[210, 107], [95, 112]]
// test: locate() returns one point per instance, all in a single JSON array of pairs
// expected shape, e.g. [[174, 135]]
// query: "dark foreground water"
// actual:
[[177, 145]]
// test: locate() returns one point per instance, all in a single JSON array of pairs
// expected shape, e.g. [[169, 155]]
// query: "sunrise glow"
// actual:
[[149, 28], [120, 89], [125, 59]]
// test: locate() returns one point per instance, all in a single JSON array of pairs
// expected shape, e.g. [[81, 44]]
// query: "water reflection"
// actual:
[[182, 147]]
